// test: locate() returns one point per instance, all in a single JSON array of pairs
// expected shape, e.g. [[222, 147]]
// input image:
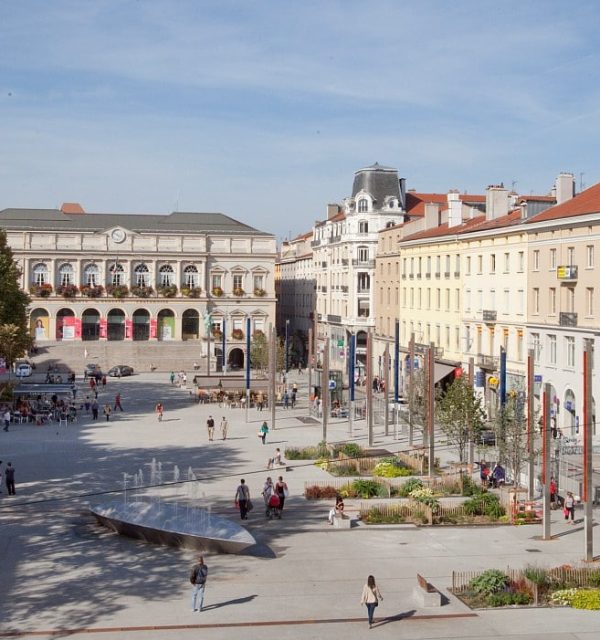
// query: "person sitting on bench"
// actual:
[[338, 510], [275, 460]]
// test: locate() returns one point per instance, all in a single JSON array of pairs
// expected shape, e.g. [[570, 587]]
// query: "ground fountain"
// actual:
[[151, 518]]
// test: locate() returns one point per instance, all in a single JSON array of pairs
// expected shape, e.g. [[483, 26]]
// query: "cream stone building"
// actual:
[[296, 295], [344, 247], [563, 314], [143, 278]]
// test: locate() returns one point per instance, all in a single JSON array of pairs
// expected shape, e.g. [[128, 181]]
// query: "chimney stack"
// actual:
[[72, 208], [454, 209], [332, 210], [432, 215], [564, 187], [496, 202]]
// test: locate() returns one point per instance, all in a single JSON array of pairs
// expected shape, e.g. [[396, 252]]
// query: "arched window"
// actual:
[[91, 275], [190, 276], [166, 275], [40, 274], [363, 226], [65, 274], [142, 275], [117, 274], [363, 205]]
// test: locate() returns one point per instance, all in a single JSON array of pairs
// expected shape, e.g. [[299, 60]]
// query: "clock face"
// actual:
[[118, 235]]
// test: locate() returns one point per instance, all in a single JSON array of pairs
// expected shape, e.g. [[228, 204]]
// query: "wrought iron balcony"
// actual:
[[487, 362], [489, 316], [567, 319], [315, 243]]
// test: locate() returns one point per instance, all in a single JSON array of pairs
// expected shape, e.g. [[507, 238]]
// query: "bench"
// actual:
[[426, 594], [342, 521]]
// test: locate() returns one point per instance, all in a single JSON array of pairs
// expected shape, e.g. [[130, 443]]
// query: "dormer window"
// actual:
[[363, 226], [363, 205]]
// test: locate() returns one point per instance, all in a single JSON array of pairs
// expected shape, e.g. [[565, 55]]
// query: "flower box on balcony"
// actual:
[[168, 290], [237, 334], [239, 292], [41, 290], [117, 290], [67, 290], [217, 334], [260, 292], [93, 291], [258, 334], [142, 292], [191, 292], [217, 292]]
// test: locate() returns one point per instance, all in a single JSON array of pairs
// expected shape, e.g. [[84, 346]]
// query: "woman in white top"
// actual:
[[371, 597]]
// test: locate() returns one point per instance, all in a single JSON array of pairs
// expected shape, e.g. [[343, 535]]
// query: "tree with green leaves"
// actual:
[[14, 335], [259, 352], [511, 433], [460, 415]]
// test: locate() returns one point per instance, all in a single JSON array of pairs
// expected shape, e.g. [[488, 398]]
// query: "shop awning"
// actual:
[[442, 370]]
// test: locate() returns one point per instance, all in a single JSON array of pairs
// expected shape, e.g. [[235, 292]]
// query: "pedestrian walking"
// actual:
[[263, 432], [94, 409], [9, 472], [118, 404], [569, 507], [293, 398], [267, 492], [103, 382], [172, 377], [107, 411], [281, 489], [553, 494], [159, 411], [87, 404], [242, 499], [286, 400], [224, 427], [6, 418], [371, 597], [85, 375], [92, 383], [198, 576], [210, 426]]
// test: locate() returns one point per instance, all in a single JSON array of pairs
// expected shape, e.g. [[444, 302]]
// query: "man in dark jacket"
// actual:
[[198, 576], [10, 479]]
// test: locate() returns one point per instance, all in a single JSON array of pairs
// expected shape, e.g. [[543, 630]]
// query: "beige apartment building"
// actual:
[[563, 313]]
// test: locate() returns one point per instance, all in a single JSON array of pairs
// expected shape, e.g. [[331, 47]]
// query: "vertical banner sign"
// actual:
[[128, 328], [224, 347], [247, 356], [78, 327], [153, 325], [502, 377], [352, 366], [103, 327]]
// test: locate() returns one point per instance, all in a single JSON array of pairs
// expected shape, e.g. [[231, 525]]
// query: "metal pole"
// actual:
[[247, 366], [369, 392], [209, 333], [411, 364], [396, 375], [530, 423], [224, 347], [502, 385], [471, 379], [545, 460], [325, 389], [386, 383], [587, 454], [352, 384], [272, 373], [431, 406], [310, 366], [287, 324]]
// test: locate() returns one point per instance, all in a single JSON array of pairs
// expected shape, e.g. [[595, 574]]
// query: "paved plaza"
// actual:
[[62, 574]]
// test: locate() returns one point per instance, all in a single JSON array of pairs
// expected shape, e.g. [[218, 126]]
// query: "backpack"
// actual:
[[201, 573]]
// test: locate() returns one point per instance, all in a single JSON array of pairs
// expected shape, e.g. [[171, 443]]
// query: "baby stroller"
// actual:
[[273, 507]]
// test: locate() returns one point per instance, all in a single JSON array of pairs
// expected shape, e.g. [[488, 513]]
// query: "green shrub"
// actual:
[[376, 516], [343, 469], [594, 578], [307, 453], [366, 488], [424, 495], [489, 582], [469, 487], [537, 575], [586, 599], [390, 470], [408, 486], [350, 449], [484, 504], [505, 599]]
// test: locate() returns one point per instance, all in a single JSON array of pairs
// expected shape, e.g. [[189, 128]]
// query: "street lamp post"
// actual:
[[287, 325]]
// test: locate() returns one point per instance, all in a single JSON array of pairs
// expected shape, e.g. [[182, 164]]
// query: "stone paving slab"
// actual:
[[61, 570]]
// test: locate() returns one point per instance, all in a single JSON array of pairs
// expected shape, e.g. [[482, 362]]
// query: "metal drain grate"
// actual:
[[534, 550]]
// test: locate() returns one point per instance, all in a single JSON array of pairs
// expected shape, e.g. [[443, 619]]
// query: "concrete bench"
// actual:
[[342, 522], [426, 594]]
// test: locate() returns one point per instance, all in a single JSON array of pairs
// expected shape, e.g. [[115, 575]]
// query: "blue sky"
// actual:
[[263, 110]]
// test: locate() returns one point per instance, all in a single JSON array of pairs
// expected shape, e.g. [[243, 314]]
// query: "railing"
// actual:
[[567, 319], [437, 274], [333, 318], [487, 362], [457, 274], [315, 243], [363, 263], [446, 274], [428, 275], [334, 239], [345, 261], [489, 315], [344, 288]]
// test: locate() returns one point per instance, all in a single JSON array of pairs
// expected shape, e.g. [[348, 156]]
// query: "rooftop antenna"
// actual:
[[581, 174], [513, 184]]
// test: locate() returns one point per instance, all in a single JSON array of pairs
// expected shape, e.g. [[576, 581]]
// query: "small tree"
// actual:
[[417, 402], [511, 430], [460, 415], [259, 352], [15, 339]]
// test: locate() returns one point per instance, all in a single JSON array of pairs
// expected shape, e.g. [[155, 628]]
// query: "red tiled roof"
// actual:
[[337, 217], [415, 202], [537, 198], [587, 201]]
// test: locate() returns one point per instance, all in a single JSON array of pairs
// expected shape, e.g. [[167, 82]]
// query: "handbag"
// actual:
[[286, 493], [566, 513], [260, 434], [249, 505]]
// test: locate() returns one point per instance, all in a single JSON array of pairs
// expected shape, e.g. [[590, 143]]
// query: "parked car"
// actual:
[[120, 370], [23, 370], [92, 368]]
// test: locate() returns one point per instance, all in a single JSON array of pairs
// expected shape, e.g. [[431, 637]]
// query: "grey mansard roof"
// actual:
[[56, 220], [377, 180]]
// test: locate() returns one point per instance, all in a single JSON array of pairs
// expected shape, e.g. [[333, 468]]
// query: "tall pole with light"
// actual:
[[287, 350]]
